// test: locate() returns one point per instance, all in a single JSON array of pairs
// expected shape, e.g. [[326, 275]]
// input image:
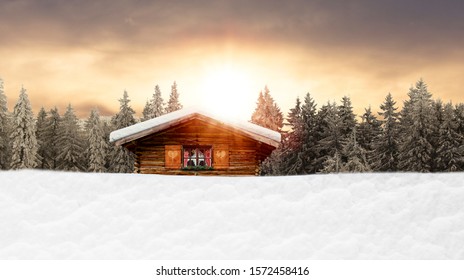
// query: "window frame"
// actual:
[[197, 159]]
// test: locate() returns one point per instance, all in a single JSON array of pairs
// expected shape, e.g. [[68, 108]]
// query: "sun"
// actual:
[[228, 90]]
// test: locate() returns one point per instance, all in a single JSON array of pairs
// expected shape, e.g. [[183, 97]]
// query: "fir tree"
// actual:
[[70, 143], [296, 153], [416, 149], [154, 107], [273, 112], [147, 112], [368, 130], [157, 103], [438, 113], [347, 117], [386, 147], [332, 164], [41, 135], [107, 128], [331, 144], [258, 117], [125, 116], [356, 156], [23, 138], [4, 130], [459, 114], [267, 113], [122, 161], [96, 150], [272, 165], [321, 151], [173, 102], [309, 134], [292, 162], [449, 153], [51, 140]]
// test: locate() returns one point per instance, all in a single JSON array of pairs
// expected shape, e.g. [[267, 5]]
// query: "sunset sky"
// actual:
[[222, 53]]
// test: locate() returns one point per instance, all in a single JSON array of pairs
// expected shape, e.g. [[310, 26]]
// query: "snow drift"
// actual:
[[54, 215]]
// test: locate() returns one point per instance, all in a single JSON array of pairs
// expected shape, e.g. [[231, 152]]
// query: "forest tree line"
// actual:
[[54, 142], [425, 135]]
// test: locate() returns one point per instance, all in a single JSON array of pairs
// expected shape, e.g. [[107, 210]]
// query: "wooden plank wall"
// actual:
[[244, 153]]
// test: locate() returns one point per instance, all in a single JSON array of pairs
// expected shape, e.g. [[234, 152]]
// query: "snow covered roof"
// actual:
[[154, 125]]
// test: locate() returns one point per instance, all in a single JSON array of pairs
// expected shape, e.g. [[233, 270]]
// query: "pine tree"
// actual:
[[258, 117], [294, 155], [51, 140], [23, 138], [386, 147], [416, 149], [347, 117], [122, 161], [173, 102], [438, 112], [273, 112], [459, 113], [332, 164], [125, 116], [107, 128], [321, 151], [356, 156], [331, 144], [272, 165], [70, 143], [267, 113], [147, 113], [96, 150], [292, 162], [155, 107], [41, 135], [4, 130], [157, 103], [368, 130], [449, 153], [310, 136]]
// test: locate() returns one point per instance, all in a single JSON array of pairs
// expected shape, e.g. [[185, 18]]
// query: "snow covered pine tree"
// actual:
[[155, 107], [386, 145], [122, 161], [4, 131], [267, 113], [417, 124], [96, 151], [23, 138], [70, 143], [173, 102]]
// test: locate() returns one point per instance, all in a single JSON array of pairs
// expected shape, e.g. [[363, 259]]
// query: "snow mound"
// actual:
[[58, 215]]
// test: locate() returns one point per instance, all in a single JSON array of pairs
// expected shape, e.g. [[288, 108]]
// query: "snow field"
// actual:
[[58, 215]]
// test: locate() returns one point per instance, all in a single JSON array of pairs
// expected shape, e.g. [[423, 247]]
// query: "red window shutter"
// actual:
[[221, 156], [173, 156]]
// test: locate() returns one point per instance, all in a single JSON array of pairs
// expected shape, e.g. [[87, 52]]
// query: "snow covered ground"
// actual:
[[57, 215]]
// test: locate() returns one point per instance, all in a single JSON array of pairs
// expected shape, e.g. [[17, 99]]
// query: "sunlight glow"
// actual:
[[227, 90]]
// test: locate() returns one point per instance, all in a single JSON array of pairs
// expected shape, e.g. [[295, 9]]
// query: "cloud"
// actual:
[[78, 50], [394, 26]]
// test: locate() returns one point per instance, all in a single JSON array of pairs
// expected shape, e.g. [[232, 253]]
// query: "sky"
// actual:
[[223, 53]]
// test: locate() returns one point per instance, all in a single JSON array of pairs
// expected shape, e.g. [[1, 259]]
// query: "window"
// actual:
[[196, 157]]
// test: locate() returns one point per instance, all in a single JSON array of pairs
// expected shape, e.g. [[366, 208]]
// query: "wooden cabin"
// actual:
[[192, 142]]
